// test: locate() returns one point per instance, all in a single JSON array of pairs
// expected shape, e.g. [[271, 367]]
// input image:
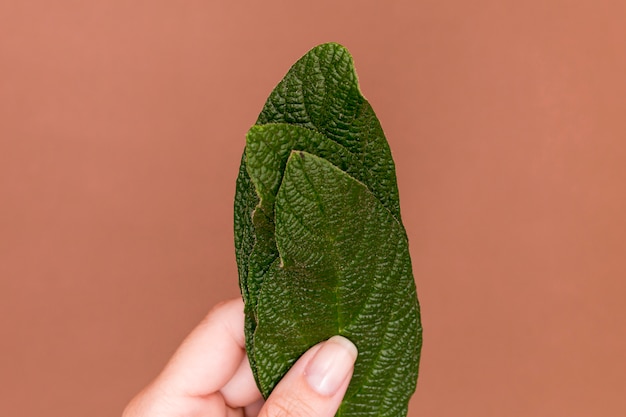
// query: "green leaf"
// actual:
[[320, 246]]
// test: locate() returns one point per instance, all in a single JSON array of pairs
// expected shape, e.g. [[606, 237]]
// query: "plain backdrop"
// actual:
[[121, 128]]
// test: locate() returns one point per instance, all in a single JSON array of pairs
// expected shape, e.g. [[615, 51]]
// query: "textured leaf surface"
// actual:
[[320, 246]]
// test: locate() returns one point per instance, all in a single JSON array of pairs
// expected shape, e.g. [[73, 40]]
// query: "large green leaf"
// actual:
[[320, 246]]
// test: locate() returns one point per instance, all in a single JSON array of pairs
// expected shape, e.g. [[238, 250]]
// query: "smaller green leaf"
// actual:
[[331, 231]]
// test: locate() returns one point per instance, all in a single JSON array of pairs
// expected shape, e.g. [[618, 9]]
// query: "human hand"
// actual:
[[209, 375]]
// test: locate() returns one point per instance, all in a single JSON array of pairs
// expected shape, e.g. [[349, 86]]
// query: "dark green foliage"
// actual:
[[320, 245]]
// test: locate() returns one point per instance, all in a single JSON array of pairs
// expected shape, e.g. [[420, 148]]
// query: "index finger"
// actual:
[[210, 355]]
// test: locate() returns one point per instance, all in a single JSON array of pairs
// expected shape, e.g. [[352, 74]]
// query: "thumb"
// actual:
[[317, 382]]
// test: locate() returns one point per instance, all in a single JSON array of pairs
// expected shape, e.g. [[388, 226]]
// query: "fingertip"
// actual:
[[331, 365]]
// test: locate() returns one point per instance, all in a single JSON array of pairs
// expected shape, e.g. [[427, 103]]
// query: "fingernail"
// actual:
[[331, 365]]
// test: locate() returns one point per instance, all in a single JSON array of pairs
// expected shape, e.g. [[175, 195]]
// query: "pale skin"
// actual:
[[209, 375]]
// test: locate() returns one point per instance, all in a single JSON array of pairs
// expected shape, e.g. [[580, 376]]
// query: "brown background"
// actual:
[[121, 127]]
